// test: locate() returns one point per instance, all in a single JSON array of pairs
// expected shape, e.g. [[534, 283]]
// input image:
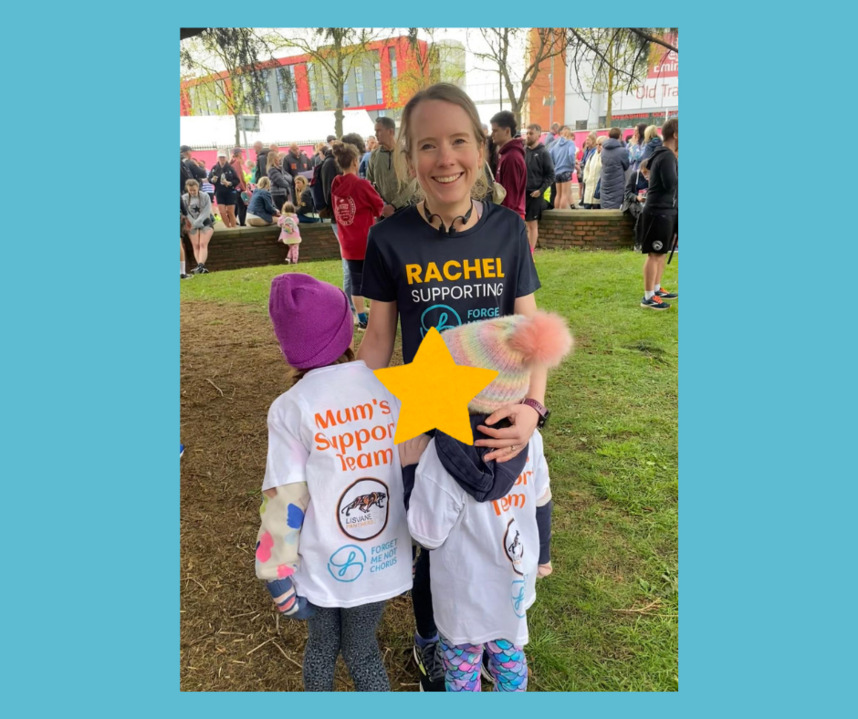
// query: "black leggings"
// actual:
[[421, 597], [240, 210], [356, 275], [351, 631]]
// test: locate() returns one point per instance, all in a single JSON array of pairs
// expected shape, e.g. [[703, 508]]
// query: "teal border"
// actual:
[[91, 527]]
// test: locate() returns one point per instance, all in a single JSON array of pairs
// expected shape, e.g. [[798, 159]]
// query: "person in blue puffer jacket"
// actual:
[[261, 210], [563, 153]]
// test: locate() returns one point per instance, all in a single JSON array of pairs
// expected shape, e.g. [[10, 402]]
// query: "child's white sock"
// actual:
[[656, 288], [183, 268], [648, 295]]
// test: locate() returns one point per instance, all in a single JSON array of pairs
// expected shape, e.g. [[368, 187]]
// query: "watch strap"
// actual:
[[540, 408]]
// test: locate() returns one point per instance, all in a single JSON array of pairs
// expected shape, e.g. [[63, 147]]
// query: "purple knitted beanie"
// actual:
[[312, 320]]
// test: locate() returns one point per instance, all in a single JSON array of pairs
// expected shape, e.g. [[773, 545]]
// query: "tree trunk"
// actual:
[[610, 96], [340, 82], [338, 117], [237, 132]]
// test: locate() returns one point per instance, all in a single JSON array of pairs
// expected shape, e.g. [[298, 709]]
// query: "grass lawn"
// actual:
[[607, 618]]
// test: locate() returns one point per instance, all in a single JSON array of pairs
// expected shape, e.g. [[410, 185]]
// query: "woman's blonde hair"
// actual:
[[264, 183], [650, 132], [445, 92], [273, 159], [300, 180], [298, 374]]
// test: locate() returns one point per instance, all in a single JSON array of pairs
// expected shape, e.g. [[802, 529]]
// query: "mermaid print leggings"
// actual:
[[507, 665], [352, 632]]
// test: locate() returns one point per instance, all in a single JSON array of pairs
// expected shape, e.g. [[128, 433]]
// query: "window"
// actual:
[[394, 72], [320, 95], [264, 78], [286, 90], [379, 94], [580, 124], [359, 85]]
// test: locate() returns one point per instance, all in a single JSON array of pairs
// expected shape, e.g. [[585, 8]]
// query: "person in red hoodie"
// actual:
[[512, 170], [356, 205]]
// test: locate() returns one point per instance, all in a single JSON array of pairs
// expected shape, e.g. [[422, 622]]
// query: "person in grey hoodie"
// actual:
[[381, 170], [615, 162]]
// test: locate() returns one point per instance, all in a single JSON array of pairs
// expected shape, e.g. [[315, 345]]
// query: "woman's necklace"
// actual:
[[442, 230]]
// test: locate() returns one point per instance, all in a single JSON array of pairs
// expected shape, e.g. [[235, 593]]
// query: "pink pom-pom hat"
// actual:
[[512, 345]]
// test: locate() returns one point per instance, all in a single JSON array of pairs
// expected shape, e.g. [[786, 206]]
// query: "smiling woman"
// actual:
[[486, 271]]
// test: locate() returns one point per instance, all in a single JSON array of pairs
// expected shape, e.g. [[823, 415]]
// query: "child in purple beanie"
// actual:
[[334, 542]]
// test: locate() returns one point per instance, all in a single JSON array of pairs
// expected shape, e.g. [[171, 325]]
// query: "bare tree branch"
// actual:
[[644, 34]]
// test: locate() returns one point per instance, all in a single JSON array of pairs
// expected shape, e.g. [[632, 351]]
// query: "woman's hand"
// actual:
[[509, 441], [411, 450]]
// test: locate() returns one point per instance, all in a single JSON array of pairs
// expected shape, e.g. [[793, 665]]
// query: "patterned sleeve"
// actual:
[[282, 517]]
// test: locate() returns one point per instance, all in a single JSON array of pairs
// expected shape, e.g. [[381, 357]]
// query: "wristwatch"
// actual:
[[543, 412]]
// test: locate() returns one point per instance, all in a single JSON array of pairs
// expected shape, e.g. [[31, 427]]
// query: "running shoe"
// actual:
[[484, 668], [201, 269], [428, 660], [665, 295], [186, 277], [655, 303], [181, 450]]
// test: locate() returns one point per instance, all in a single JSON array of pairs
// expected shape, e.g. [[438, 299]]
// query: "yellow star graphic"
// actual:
[[434, 391]]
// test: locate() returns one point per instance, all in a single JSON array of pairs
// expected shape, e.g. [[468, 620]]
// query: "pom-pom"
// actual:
[[542, 339]]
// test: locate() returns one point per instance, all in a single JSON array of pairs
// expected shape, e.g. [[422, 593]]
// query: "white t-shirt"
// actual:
[[485, 554], [334, 430]]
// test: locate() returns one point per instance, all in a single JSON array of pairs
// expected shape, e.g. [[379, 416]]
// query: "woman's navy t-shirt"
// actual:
[[445, 281]]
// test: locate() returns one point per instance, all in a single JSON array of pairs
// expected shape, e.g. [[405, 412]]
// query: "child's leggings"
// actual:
[[292, 254], [507, 665], [351, 631]]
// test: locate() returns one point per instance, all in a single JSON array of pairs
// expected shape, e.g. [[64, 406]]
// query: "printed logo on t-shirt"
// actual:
[[344, 208], [346, 564], [512, 546], [441, 317], [362, 509], [517, 597]]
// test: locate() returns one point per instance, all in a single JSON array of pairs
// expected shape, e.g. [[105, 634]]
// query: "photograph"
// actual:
[[429, 332]]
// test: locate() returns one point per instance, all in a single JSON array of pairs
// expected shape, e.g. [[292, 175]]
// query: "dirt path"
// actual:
[[231, 371]]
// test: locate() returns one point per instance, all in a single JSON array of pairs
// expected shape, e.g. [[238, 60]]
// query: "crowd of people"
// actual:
[[518, 173], [437, 224], [245, 193]]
